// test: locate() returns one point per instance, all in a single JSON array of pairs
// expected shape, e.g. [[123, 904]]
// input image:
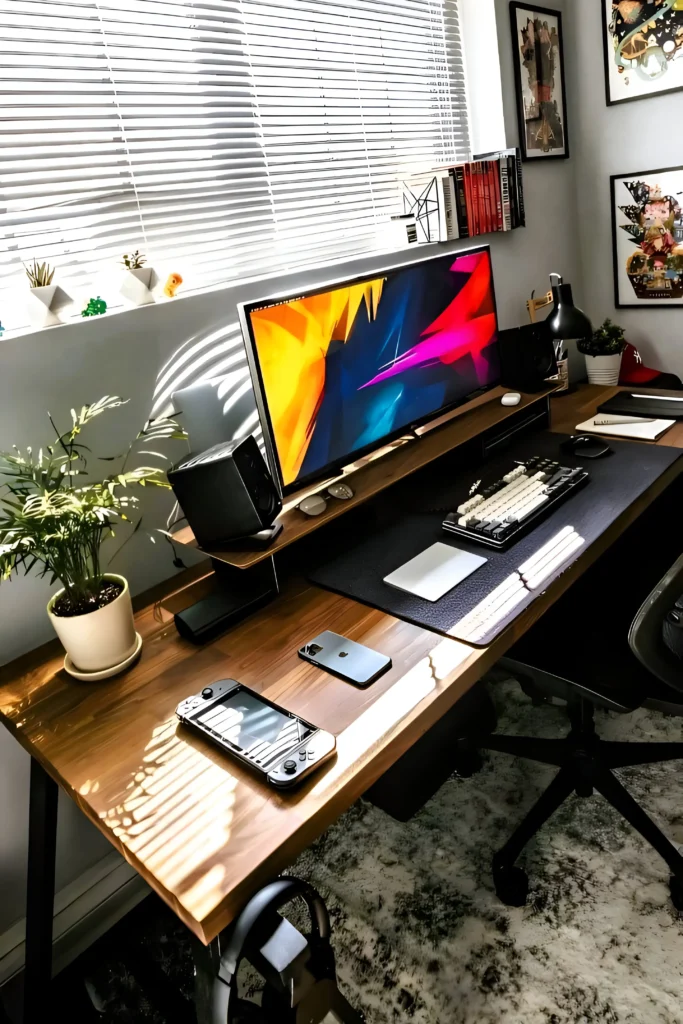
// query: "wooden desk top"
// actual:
[[203, 832], [583, 403]]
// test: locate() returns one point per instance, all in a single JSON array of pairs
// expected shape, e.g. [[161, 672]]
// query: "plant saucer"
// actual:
[[105, 673]]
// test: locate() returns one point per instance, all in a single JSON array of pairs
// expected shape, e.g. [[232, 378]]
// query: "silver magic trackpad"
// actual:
[[435, 571]]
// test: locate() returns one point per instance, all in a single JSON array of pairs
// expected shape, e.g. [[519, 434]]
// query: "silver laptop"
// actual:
[[202, 414]]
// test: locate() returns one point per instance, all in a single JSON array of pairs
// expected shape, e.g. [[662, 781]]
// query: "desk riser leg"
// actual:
[[40, 895], [206, 963]]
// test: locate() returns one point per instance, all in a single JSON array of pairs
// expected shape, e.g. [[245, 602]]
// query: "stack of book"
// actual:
[[467, 200]]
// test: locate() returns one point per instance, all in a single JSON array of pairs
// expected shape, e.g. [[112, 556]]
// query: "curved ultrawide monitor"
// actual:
[[341, 369]]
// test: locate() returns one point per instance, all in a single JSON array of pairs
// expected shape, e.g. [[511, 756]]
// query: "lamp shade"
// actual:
[[567, 321]]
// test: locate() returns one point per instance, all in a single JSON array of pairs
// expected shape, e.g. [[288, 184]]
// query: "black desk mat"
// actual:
[[615, 483]]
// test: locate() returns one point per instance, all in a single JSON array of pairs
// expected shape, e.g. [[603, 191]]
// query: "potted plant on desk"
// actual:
[[52, 518], [603, 351]]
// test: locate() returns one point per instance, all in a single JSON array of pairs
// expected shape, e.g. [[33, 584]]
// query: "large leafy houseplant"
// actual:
[[55, 518]]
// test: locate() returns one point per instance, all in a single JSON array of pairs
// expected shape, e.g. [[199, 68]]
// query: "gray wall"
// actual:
[[631, 137], [122, 354]]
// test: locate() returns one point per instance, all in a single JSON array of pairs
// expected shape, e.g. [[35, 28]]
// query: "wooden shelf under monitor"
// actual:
[[377, 474]]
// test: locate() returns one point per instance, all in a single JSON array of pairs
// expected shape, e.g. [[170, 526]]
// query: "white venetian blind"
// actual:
[[224, 138]]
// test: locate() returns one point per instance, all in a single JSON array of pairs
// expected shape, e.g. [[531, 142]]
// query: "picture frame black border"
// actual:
[[516, 5], [334, 468], [606, 52], [614, 178]]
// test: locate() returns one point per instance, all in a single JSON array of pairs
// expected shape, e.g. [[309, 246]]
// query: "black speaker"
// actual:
[[527, 357], [226, 493]]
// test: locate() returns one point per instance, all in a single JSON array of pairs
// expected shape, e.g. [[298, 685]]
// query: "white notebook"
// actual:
[[636, 431], [434, 572]]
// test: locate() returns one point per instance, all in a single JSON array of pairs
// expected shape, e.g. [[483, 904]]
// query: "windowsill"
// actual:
[[318, 273]]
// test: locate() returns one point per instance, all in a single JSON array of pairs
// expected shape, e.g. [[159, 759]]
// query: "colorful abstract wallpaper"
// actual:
[[346, 368]]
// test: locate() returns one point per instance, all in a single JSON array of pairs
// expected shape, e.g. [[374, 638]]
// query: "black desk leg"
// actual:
[[40, 895], [207, 960]]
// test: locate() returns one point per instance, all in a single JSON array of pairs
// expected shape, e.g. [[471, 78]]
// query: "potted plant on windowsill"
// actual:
[[603, 351], [53, 518], [139, 280], [46, 299]]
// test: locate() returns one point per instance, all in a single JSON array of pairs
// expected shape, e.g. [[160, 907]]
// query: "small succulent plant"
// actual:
[[607, 340], [134, 260], [40, 274]]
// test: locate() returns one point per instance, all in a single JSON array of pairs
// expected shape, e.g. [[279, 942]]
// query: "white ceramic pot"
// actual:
[[138, 284], [98, 640], [603, 369], [45, 303]]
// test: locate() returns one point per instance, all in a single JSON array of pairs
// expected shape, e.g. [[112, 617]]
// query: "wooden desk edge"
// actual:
[[379, 756], [385, 752]]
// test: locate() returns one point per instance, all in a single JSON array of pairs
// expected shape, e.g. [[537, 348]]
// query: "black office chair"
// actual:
[[604, 671]]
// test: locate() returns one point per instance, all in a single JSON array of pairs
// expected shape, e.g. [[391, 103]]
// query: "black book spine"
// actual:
[[520, 189], [514, 202], [461, 201]]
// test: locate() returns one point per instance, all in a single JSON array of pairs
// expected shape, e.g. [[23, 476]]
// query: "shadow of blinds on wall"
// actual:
[[228, 140]]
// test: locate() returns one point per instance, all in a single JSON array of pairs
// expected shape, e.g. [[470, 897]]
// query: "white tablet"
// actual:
[[434, 572]]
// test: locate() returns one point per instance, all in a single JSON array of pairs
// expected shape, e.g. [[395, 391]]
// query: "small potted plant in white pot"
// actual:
[[139, 280], [52, 518], [46, 299], [603, 351]]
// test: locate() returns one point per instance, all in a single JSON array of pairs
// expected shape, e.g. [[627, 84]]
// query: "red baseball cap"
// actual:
[[633, 370]]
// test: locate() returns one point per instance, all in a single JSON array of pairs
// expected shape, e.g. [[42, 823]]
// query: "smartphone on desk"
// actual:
[[352, 662]]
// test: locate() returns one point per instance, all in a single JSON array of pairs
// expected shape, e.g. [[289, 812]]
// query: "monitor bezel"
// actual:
[[333, 468]]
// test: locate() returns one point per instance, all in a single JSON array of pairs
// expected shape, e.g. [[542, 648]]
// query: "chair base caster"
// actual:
[[676, 890], [512, 886], [469, 760]]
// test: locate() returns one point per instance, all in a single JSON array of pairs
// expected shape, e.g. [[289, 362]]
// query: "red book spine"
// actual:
[[495, 175], [483, 219], [471, 172], [490, 199], [467, 172], [478, 199], [485, 196]]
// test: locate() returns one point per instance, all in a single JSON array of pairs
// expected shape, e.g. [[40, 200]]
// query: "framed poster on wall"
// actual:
[[538, 56], [643, 42], [647, 227]]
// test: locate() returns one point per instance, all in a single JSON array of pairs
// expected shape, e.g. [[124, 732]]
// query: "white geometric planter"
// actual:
[[603, 369], [138, 284], [44, 304], [98, 640]]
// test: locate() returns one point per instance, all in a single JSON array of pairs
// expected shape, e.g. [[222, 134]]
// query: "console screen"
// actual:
[[242, 720]]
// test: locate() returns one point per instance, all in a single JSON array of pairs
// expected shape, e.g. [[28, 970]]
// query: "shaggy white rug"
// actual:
[[420, 935]]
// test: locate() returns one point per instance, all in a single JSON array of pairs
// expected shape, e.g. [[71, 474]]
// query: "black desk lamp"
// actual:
[[566, 322]]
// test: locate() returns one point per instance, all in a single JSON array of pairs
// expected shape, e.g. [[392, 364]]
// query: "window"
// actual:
[[226, 140]]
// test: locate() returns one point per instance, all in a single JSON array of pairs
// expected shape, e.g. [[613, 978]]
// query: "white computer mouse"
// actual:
[[513, 398], [313, 505]]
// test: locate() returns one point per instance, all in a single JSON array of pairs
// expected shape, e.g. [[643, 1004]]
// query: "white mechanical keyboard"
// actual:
[[499, 514]]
